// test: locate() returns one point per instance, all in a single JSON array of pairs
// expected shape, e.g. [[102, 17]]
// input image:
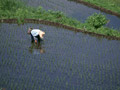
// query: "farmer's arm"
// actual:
[[35, 39]]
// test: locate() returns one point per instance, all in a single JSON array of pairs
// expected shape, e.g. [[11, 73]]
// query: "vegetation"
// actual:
[[57, 69], [9, 7], [113, 5], [97, 20], [15, 9]]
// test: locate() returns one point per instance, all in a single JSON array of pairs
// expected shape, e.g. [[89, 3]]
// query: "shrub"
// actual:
[[97, 20]]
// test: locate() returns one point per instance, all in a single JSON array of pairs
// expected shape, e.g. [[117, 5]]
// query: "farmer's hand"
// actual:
[[36, 41]]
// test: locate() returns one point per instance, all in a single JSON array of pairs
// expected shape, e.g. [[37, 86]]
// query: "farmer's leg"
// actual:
[[39, 39], [32, 38]]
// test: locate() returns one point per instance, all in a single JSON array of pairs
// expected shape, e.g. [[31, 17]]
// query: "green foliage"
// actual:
[[97, 20], [56, 14], [14, 9], [8, 8], [10, 5], [38, 12], [21, 14]]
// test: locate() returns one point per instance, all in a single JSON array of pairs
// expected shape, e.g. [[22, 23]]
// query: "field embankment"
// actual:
[[12, 9]]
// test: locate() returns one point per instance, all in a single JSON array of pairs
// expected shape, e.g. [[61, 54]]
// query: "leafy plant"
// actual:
[[11, 5], [39, 12], [56, 14], [97, 20], [21, 14]]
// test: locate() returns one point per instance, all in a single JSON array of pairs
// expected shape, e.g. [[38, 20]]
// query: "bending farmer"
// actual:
[[36, 34]]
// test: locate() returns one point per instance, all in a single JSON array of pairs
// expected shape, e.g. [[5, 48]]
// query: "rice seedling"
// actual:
[[60, 71]]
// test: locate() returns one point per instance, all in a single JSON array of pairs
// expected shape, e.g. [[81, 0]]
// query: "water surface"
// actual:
[[65, 60]]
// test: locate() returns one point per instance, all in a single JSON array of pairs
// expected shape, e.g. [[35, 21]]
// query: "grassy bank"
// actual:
[[14, 9], [113, 5]]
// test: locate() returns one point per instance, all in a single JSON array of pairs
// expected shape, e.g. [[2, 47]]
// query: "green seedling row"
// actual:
[[79, 63]]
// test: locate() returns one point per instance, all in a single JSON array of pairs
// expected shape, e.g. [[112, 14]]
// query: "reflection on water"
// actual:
[[36, 48], [2, 89]]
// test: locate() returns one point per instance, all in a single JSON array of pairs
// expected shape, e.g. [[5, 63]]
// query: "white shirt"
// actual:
[[35, 32]]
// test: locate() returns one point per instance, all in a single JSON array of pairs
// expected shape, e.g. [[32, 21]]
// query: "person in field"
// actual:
[[36, 35]]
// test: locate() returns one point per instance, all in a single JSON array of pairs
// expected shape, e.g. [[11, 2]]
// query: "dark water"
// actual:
[[65, 60], [75, 10]]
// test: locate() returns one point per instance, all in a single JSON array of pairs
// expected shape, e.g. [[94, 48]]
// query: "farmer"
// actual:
[[36, 35]]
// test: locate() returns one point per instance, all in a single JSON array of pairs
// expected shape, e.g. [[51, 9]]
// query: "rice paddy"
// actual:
[[65, 60], [80, 62]]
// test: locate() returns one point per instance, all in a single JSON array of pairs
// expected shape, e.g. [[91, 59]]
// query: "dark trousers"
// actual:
[[38, 38]]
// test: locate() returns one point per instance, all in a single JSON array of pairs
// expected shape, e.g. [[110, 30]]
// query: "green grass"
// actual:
[[113, 5], [14, 9]]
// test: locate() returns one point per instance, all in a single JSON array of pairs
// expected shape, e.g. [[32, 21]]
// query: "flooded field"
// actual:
[[73, 9], [65, 60]]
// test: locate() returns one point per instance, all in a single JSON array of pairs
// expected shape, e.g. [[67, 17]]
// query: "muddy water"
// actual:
[[75, 10], [65, 60]]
